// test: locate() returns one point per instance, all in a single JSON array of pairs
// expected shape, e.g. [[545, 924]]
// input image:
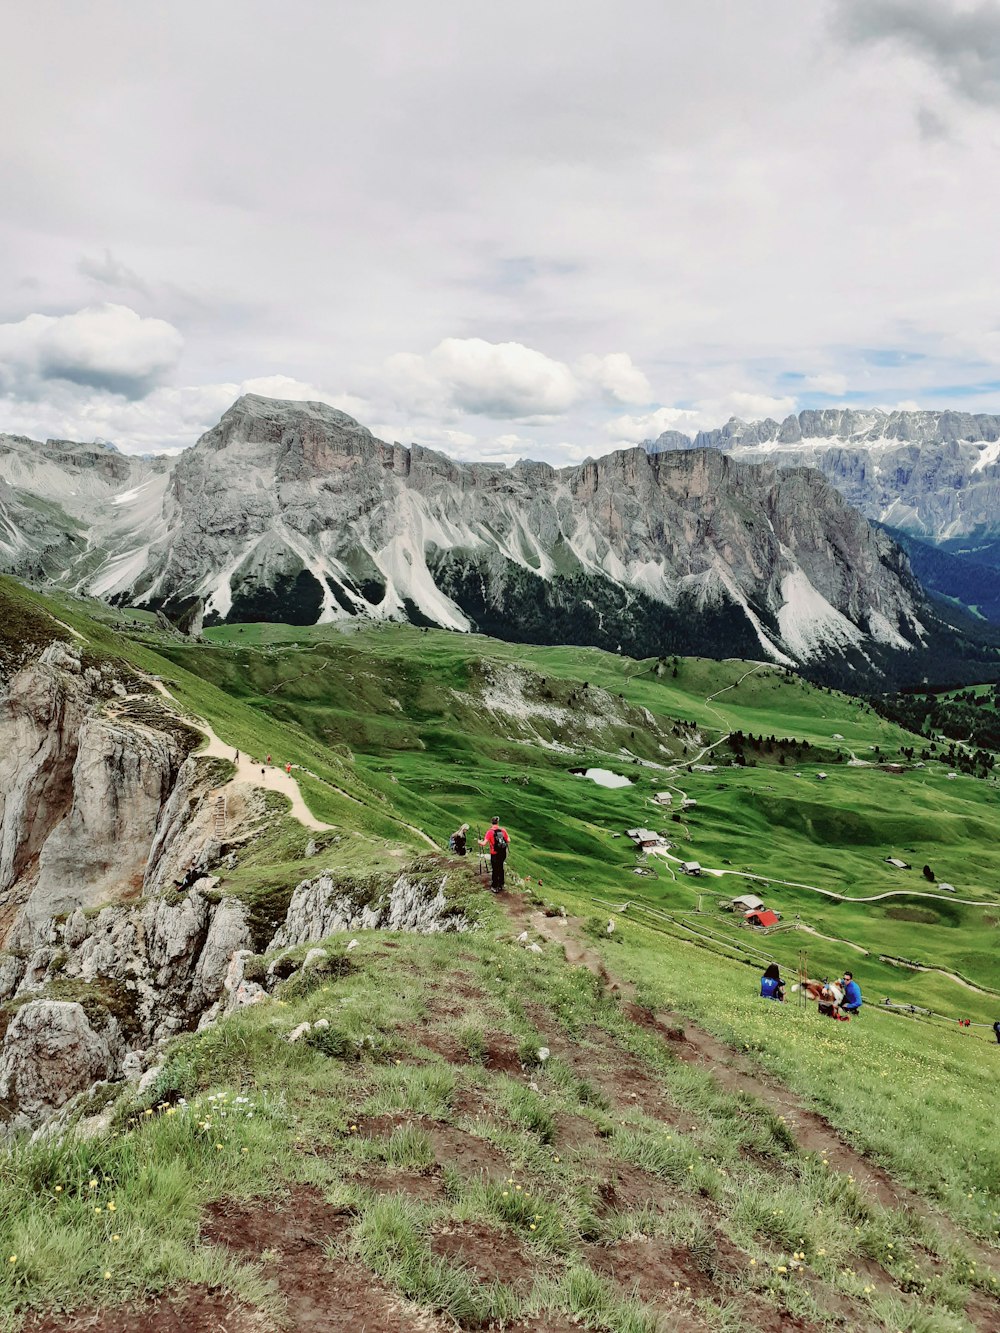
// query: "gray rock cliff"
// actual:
[[294, 511]]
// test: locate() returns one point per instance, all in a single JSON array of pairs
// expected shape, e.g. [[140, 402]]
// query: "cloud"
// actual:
[[617, 377], [166, 420], [293, 390], [749, 406], [505, 380], [107, 271], [703, 415], [648, 425], [933, 127], [828, 383], [960, 43], [106, 347]]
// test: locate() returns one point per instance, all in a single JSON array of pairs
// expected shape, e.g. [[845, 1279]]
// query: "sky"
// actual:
[[546, 229]]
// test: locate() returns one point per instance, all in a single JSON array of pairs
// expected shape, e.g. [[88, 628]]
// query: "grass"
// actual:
[[395, 718], [296, 1125]]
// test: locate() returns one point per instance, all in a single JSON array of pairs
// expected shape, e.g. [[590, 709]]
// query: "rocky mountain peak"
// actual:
[[934, 474], [294, 511]]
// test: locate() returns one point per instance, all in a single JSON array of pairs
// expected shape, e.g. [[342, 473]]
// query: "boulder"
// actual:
[[50, 1053]]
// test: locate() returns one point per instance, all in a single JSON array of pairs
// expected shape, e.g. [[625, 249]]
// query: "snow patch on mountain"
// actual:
[[988, 455]]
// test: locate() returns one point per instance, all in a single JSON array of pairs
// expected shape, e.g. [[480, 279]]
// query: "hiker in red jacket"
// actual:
[[497, 840]]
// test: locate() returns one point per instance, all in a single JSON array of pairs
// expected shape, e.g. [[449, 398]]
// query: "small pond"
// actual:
[[602, 776]]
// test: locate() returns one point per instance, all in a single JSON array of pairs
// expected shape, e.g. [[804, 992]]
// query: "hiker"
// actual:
[[191, 875], [458, 843], [771, 985], [497, 840], [852, 1001], [236, 760], [996, 1031], [269, 761], [288, 770]]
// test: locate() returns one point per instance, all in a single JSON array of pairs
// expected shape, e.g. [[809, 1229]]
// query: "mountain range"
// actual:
[[293, 511]]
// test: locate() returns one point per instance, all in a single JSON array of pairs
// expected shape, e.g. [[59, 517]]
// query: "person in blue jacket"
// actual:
[[771, 985], [852, 1002]]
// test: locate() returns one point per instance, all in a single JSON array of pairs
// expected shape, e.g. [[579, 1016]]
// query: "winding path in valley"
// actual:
[[718, 872]]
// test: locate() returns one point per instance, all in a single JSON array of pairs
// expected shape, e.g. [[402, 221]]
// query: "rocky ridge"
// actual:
[[294, 511], [935, 475], [93, 999], [102, 803]]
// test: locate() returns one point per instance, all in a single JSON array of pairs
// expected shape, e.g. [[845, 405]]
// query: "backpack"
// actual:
[[500, 843], [451, 843]]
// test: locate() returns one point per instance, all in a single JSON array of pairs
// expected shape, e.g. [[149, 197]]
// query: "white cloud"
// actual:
[[617, 376], [749, 406], [709, 238], [707, 412], [827, 383], [506, 380], [648, 425], [166, 420], [108, 271], [293, 390], [106, 347]]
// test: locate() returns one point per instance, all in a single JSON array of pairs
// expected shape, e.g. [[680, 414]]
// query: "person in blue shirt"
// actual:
[[852, 1002], [771, 985]]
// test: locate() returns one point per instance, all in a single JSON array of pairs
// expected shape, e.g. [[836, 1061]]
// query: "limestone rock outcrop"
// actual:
[[50, 1053], [935, 474], [90, 798], [322, 907]]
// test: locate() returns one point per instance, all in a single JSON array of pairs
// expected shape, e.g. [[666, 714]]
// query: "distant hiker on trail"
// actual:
[[852, 1001], [497, 840], [458, 843], [237, 759], [288, 770], [771, 985], [996, 1031], [268, 759]]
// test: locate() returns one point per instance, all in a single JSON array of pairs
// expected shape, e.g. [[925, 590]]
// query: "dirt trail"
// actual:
[[693, 1044], [253, 774], [271, 777]]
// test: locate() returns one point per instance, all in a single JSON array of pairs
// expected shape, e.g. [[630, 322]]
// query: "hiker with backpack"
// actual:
[[457, 843], [497, 840]]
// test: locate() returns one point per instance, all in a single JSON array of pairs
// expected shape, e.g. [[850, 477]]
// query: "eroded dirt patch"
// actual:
[[452, 1146], [424, 1186], [496, 1054], [289, 1237], [575, 1131], [628, 1188], [654, 1268], [494, 1256], [196, 1310], [466, 1153]]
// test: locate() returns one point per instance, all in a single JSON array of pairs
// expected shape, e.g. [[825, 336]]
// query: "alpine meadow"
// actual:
[[500, 667], [563, 1103]]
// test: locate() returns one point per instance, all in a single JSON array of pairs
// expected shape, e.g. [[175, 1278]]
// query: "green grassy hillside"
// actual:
[[403, 734]]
